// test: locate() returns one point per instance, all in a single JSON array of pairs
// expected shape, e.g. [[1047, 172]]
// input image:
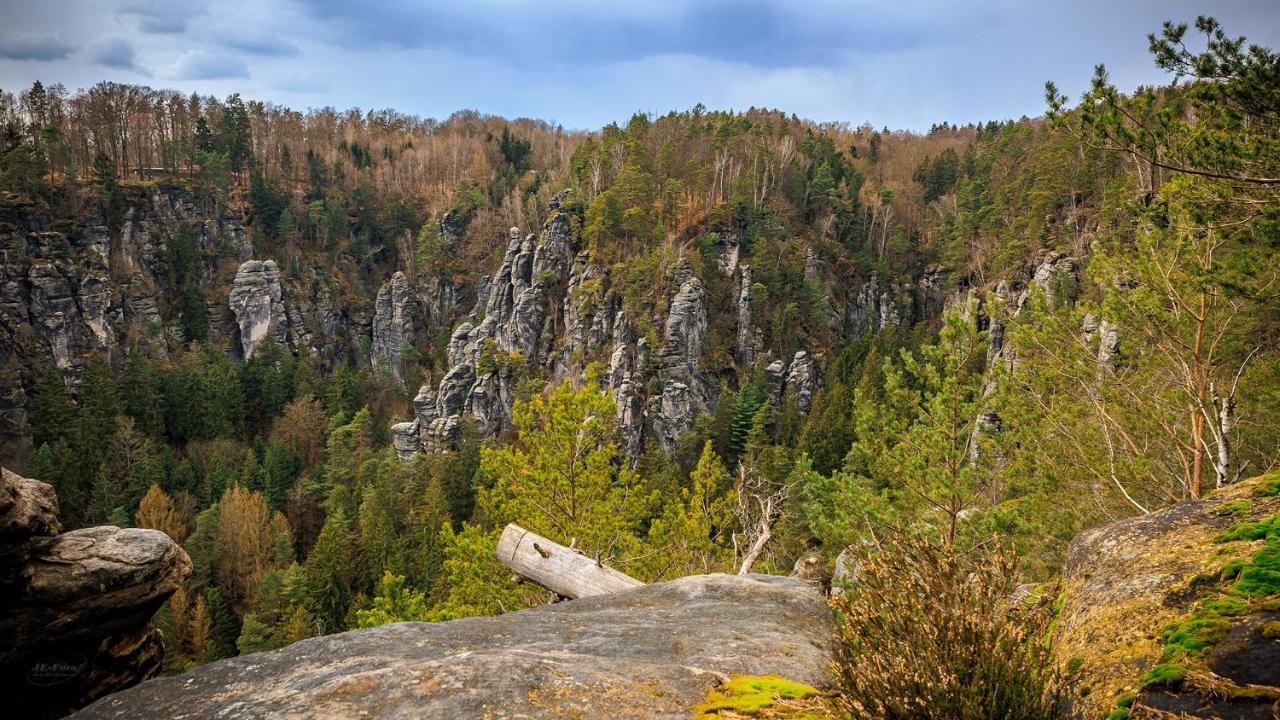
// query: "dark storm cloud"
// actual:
[[204, 65], [33, 46], [162, 17], [258, 44], [762, 33], [118, 54]]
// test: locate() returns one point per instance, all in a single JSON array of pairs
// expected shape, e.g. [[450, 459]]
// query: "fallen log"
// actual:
[[562, 570]]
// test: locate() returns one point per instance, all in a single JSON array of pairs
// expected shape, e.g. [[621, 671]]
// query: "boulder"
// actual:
[[651, 652], [1126, 582], [78, 606]]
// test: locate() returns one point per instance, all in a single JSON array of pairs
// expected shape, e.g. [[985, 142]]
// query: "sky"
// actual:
[[900, 64]]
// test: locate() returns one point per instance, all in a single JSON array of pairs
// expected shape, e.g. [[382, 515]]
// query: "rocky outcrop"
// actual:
[[257, 302], [802, 380], [651, 652], [749, 339], [686, 392], [1126, 583], [514, 329], [77, 606], [393, 325], [873, 309]]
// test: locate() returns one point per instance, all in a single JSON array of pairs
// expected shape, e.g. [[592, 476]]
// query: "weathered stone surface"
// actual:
[[27, 507], [256, 301], [749, 337], [77, 607], [1126, 581], [802, 380], [872, 309], [406, 439], [652, 652], [393, 325]]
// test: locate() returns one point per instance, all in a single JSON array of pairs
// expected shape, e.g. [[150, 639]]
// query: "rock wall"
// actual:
[[393, 325], [652, 652], [77, 606], [549, 311]]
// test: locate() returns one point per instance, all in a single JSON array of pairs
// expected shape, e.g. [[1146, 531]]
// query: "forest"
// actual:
[[1102, 339]]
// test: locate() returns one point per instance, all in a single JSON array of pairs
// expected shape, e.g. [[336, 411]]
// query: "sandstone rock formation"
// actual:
[[873, 309], [549, 310], [256, 301], [1126, 582], [652, 652], [749, 337], [393, 325], [77, 606]]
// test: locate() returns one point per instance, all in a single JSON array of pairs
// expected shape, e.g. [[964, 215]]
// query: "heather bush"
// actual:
[[926, 632]]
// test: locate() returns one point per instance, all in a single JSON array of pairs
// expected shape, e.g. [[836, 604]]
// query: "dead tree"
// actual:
[[564, 571], [759, 505]]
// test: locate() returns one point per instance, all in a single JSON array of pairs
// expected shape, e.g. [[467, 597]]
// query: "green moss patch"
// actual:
[[1267, 527], [1122, 706], [1268, 486], [1260, 576], [1235, 508], [1253, 583], [763, 696]]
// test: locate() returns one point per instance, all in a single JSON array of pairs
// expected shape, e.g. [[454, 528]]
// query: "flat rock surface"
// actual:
[[652, 652]]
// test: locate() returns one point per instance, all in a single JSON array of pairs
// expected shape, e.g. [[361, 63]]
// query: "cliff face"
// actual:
[[69, 285], [77, 606], [551, 309], [651, 652]]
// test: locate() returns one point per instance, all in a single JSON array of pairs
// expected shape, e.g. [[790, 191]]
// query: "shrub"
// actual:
[[928, 633]]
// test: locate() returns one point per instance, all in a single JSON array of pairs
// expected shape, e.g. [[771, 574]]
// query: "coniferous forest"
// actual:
[[684, 344]]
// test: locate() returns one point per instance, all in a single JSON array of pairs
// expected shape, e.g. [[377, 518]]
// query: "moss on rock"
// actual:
[[1147, 601], [764, 696]]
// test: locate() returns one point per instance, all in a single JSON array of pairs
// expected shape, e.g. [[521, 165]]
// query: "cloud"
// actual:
[[163, 17], [258, 44], [205, 65], [760, 33], [34, 46], [118, 54]]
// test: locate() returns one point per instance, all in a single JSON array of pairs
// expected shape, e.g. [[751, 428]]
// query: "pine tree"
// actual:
[[394, 603], [561, 479], [688, 538], [328, 572], [51, 412]]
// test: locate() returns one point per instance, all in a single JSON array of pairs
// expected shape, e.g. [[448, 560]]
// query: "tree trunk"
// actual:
[[564, 571]]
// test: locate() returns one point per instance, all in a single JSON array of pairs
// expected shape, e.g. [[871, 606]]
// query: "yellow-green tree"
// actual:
[[561, 478], [689, 537]]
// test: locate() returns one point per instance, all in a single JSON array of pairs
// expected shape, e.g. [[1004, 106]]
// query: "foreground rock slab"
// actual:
[[651, 652]]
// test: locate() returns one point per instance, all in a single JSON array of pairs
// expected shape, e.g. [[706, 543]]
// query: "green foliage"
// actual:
[[476, 583], [394, 603], [561, 478], [690, 535], [328, 572]]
